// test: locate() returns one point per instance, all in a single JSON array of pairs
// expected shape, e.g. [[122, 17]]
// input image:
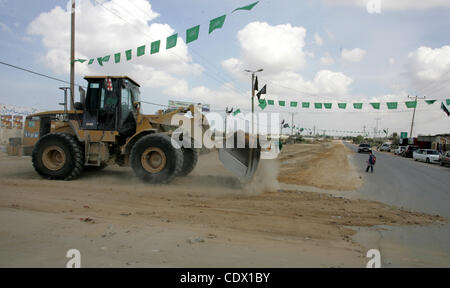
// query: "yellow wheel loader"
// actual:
[[107, 127]]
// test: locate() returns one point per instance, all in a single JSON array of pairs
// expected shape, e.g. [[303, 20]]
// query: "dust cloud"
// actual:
[[265, 179]]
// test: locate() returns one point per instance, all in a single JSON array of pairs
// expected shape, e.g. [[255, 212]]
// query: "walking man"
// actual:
[[371, 162]]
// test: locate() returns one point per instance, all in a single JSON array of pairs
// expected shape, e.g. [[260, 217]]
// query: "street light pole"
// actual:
[[253, 94]]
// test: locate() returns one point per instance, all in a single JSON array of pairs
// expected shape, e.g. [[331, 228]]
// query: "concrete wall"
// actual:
[[5, 134]]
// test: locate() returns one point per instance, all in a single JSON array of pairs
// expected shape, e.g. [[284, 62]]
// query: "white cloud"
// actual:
[[428, 64], [318, 40], [5, 28], [281, 72], [274, 48], [354, 55], [327, 59], [102, 33], [429, 70], [396, 5]]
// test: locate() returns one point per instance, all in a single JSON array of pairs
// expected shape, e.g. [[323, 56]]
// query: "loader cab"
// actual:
[[112, 104]]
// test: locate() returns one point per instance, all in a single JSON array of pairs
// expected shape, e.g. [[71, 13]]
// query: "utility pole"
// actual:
[[376, 128], [72, 56], [364, 130], [292, 125], [253, 95], [414, 113]]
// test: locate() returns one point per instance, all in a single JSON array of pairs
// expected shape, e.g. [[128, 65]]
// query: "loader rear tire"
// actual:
[[58, 156], [155, 160], [190, 156]]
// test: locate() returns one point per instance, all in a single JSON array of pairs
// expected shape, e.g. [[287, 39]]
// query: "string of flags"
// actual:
[[171, 41], [343, 106]]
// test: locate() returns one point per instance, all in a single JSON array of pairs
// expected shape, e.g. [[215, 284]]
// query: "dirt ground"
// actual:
[[207, 219]]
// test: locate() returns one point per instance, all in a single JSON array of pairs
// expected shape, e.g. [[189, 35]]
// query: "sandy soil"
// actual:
[[208, 219], [323, 165]]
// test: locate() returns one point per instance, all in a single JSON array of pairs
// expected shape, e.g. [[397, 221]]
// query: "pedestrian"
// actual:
[[371, 162]]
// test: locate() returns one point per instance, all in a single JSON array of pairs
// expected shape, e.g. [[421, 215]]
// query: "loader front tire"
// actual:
[[155, 160], [190, 160], [58, 156]]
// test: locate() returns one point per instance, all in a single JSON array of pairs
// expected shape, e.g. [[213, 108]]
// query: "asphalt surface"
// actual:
[[406, 183], [415, 186]]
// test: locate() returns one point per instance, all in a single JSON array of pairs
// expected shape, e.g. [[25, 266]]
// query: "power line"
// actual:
[[37, 73]]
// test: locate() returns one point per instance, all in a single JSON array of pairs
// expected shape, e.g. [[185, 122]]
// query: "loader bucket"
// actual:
[[242, 162]]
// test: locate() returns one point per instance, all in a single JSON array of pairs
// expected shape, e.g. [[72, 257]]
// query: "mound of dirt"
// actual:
[[324, 166]]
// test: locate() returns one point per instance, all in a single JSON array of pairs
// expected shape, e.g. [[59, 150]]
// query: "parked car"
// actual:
[[399, 150], [426, 155], [408, 153], [364, 148], [385, 147], [444, 159]]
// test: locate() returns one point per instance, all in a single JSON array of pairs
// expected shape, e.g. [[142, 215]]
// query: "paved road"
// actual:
[[406, 183], [415, 186]]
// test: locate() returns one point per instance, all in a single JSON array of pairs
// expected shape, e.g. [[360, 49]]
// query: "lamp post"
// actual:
[[253, 94]]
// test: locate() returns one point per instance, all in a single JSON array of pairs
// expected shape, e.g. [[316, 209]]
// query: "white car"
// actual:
[[426, 155], [385, 147], [399, 150]]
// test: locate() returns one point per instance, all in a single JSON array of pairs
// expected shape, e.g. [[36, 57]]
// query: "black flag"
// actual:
[[263, 91], [445, 109], [255, 87]]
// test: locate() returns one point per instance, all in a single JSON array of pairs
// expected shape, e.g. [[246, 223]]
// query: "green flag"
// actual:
[[445, 109], [375, 105], [101, 60], [248, 7], [357, 106], [192, 34], [392, 105], [128, 54], [411, 104], [117, 58], [293, 104], [171, 41], [236, 112], [262, 104], [282, 103], [447, 101], [140, 50], [318, 105], [429, 102], [305, 104], [342, 105], [270, 102], [80, 60], [155, 47], [327, 105], [91, 61], [216, 23]]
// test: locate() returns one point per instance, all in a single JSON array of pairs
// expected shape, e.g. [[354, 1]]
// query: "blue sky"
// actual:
[[387, 68]]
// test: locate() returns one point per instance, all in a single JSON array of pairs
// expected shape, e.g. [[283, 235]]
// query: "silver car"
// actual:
[[426, 155]]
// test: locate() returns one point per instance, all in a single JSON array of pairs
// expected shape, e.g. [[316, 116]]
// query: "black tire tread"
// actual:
[[164, 141], [76, 153], [190, 161]]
